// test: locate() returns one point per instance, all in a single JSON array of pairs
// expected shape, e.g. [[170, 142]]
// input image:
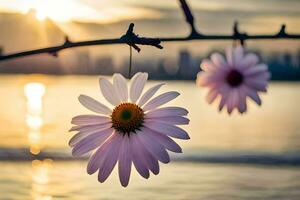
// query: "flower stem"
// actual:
[[130, 62]]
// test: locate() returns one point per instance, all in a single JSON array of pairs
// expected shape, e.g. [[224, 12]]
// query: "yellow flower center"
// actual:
[[127, 118]]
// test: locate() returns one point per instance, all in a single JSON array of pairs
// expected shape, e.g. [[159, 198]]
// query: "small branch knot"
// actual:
[[133, 39], [238, 35], [67, 40], [282, 32]]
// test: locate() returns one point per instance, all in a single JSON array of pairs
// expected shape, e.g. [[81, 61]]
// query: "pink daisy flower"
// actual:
[[135, 131], [234, 79]]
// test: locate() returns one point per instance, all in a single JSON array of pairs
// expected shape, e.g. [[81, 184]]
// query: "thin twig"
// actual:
[[130, 62], [133, 39], [189, 18]]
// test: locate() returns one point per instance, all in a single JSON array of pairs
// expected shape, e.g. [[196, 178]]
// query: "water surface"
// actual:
[[251, 156]]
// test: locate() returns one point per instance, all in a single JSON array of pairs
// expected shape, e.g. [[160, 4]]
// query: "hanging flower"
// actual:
[[135, 131], [234, 79]]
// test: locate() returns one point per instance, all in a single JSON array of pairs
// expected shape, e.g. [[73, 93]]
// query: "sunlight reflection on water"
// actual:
[[34, 93], [40, 179]]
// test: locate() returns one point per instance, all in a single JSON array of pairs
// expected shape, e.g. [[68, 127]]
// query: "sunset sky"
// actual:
[[94, 19], [116, 10]]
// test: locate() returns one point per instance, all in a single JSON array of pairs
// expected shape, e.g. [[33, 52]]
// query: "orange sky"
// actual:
[[115, 10], [158, 18]]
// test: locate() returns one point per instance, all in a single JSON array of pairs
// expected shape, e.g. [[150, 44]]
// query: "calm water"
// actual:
[[68, 180], [255, 156]]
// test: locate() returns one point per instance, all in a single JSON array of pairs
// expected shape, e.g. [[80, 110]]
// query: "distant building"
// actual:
[[185, 64], [104, 65], [84, 62], [298, 58], [188, 66], [287, 59]]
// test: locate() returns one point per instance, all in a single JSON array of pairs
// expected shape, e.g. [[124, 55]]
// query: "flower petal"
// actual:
[[178, 120], [218, 60], [223, 102], [137, 86], [138, 157], [97, 159], [160, 100], [109, 92], [94, 105], [207, 65], [259, 85], [82, 134], [256, 69], [205, 79], [252, 94], [238, 54], [212, 95], [90, 120], [232, 101], [249, 60], [91, 142], [167, 112], [167, 129], [89, 127], [224, 92], [167, 142], [242, 106], [152, 162], [125, 161], [229, 56], [120, 85], [154, 147], [149, 94], [110, 160], [261, 76]]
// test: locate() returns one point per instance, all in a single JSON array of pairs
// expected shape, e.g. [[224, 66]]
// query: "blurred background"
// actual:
[[254, 156]]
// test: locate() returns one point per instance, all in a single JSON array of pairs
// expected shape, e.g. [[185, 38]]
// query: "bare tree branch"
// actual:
[[134, 40], [189, 17]]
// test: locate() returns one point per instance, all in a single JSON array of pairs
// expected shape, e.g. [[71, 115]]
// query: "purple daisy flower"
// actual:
[[136, 131], [234, 79]]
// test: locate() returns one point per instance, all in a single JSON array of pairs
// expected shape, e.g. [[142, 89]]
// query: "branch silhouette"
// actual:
[[133, 40]]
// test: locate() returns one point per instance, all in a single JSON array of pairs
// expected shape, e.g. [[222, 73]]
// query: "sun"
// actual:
[[40, 16], [55, 10], [75, 10]]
